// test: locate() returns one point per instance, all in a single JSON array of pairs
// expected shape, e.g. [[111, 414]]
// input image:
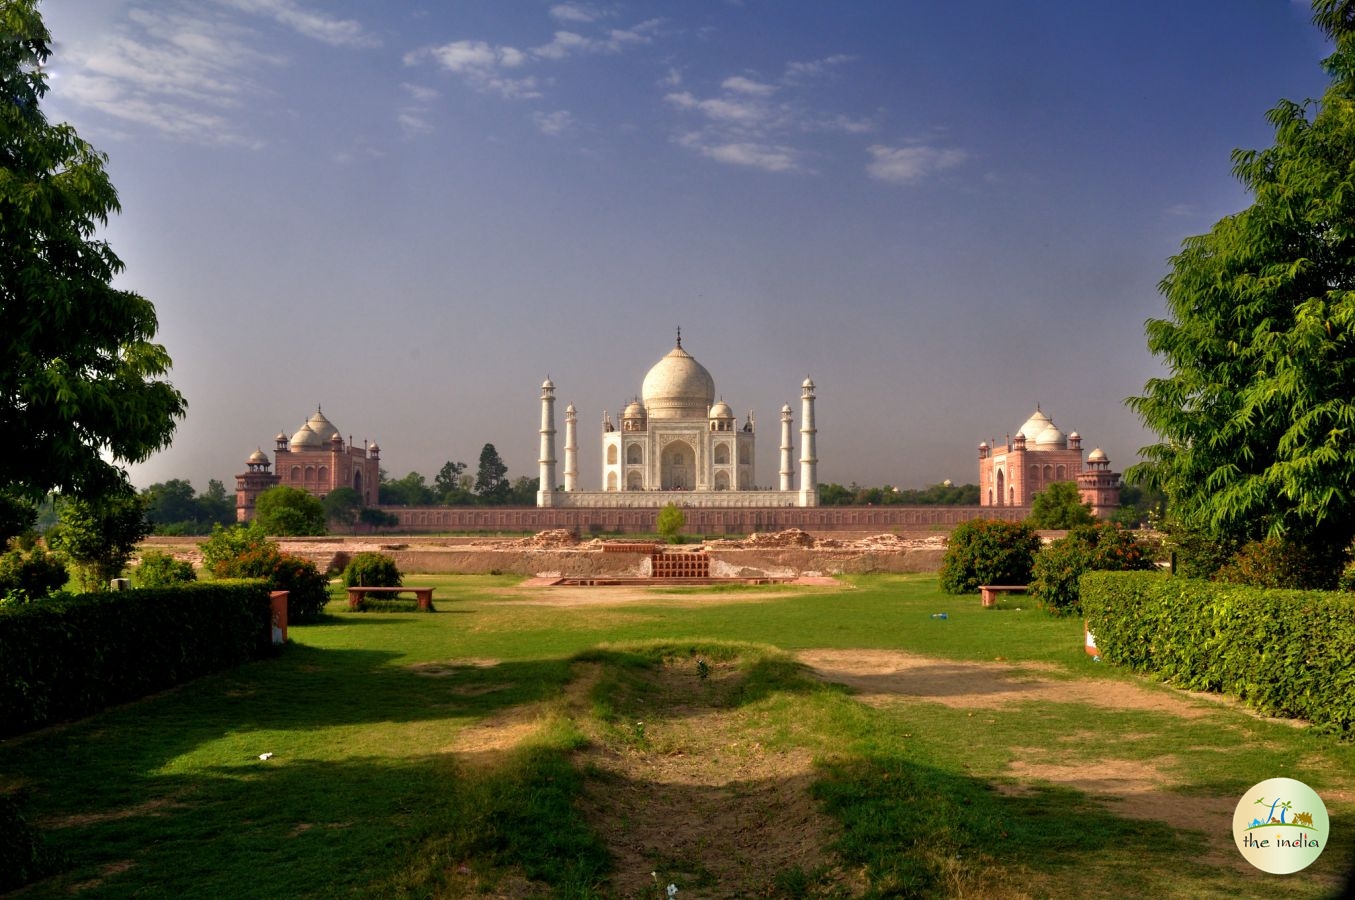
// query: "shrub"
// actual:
[[244, 551], [158, 569], [988, 551], [670, 523], [24, 856], [69, 656], [30, 575], [1104, 546], [1059, 506], [371, 569], [1284, 652], [1276, 563]]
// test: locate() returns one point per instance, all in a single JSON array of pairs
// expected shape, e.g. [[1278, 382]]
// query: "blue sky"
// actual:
[[412, 213]]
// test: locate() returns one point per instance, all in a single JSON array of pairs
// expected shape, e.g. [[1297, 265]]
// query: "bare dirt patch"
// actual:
[[157, 807], [882, 677], [696, 799]]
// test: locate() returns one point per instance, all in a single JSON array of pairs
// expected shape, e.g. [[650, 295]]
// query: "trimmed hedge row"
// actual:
[[1284, 652], [69, 656]]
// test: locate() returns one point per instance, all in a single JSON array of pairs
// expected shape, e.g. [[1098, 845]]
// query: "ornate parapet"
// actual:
[[657, 499]]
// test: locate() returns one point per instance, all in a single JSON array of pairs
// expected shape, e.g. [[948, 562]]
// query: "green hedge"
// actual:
[[1284, 652], [69, 656]]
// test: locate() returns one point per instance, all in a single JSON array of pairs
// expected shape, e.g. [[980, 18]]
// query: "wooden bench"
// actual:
[[989, 592], [423, 595]]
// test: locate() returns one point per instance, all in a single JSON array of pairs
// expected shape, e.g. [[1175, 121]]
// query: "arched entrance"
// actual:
[[1001, 487], [679, 467]]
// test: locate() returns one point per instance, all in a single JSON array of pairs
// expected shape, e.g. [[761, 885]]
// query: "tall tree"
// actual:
[[99, 535], [491, 479], [1060, 506], [1257, 414], [284, 510], [81, 389]]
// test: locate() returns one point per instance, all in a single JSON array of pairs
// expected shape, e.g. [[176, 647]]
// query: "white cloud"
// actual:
[[576, 12], [565, 43], [1181, 210], [719, 108], [185, 76], [308, 23], [906, 165], [672, 79], [412, 122], [420, 93], [553, 123], [801, 71], [752, 154], [481, 65], [742, 85]]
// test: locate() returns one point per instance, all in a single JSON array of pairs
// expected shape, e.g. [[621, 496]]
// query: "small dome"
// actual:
[[322, 426], [258, 456], [282, 436], [547, 385], [983, 445], [306, 439], [1052, 437], [1074, 436], [721, 410], [678, 387], [785, 408], [335, 439], [1097, 455], [375, 448], [807, 383], [633, 410], [570, 408]]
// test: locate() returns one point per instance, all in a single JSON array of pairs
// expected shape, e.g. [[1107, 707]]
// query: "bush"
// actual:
[[988, 551], [24, 856], [158, 569], [1284, 652], [1275, 563], [1059, 506], [70, 656], [244, 551], [371, 569], [30, 575], [1105, 547]]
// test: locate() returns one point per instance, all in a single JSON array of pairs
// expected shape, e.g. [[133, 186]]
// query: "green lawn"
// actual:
[[377, 785]]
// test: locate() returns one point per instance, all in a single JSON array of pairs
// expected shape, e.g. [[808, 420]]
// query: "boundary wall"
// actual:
[[700, 520]]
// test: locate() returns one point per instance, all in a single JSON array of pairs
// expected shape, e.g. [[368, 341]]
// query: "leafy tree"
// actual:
[[215, 506], [99, 536], [1104, 546], [491, 481], [30, 574], [1256, 414], [342, 506], [377, 519], [412, 490], [671, 522], [448, 484], [81, 388], [284, 510], [1060, 506], [831, 494], [372, 569], [988, 551], [524, 490]]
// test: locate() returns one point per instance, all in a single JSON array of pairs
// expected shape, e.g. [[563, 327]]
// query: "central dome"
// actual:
[[678, 387]]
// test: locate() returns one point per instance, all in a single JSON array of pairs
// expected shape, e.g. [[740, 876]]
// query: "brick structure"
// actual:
[[1041, 454], [316, 460]]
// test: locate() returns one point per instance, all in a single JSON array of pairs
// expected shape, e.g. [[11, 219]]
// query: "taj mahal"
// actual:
[[676, 443]]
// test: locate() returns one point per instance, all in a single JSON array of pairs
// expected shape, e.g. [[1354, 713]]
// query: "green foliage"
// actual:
[[987, 551], [412, 490], [491, 482], [289, 511], [157, 570], [173, 507], [523, 492], [1102, 547], [1279, 563], [943, 494], [81, 389], [448, 484], [70, 656], [1255, 415], [377, 519], [99, 536], [670, 522], [30, 574], [342, 506], [1059, 506], [244, 551], [1286, 653], [24, 855], [372, 569]]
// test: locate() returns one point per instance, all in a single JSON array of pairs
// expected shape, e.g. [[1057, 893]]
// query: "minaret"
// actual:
[[571, 449], [546, 491], [787, 471], [809, 462]]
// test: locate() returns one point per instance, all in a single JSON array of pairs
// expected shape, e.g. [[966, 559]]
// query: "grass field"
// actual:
[[750, 741]]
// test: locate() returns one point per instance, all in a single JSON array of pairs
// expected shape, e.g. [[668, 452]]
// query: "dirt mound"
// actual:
[[791, 537]]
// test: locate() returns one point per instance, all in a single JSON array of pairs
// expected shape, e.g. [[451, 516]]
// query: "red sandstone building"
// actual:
[[1039, 455], [316, 460]]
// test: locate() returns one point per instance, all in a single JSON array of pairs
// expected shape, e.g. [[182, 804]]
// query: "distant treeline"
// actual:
[[936, 495]]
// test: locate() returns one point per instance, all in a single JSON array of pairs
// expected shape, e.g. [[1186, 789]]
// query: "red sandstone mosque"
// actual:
[[1039, 455], [316, 460]]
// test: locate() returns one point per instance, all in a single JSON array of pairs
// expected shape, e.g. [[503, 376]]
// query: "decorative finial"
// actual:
[[679, 337]]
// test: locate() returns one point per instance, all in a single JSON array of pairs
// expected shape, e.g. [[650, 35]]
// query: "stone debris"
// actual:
[[791, 537]]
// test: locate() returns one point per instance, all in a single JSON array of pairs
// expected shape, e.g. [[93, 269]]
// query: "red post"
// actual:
[[279, 602]]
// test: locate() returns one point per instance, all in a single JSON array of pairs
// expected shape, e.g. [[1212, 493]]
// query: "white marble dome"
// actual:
[[1035, 425], [1052, 437], [678, 387], [721, 410], [322, 427], [305, 439]]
